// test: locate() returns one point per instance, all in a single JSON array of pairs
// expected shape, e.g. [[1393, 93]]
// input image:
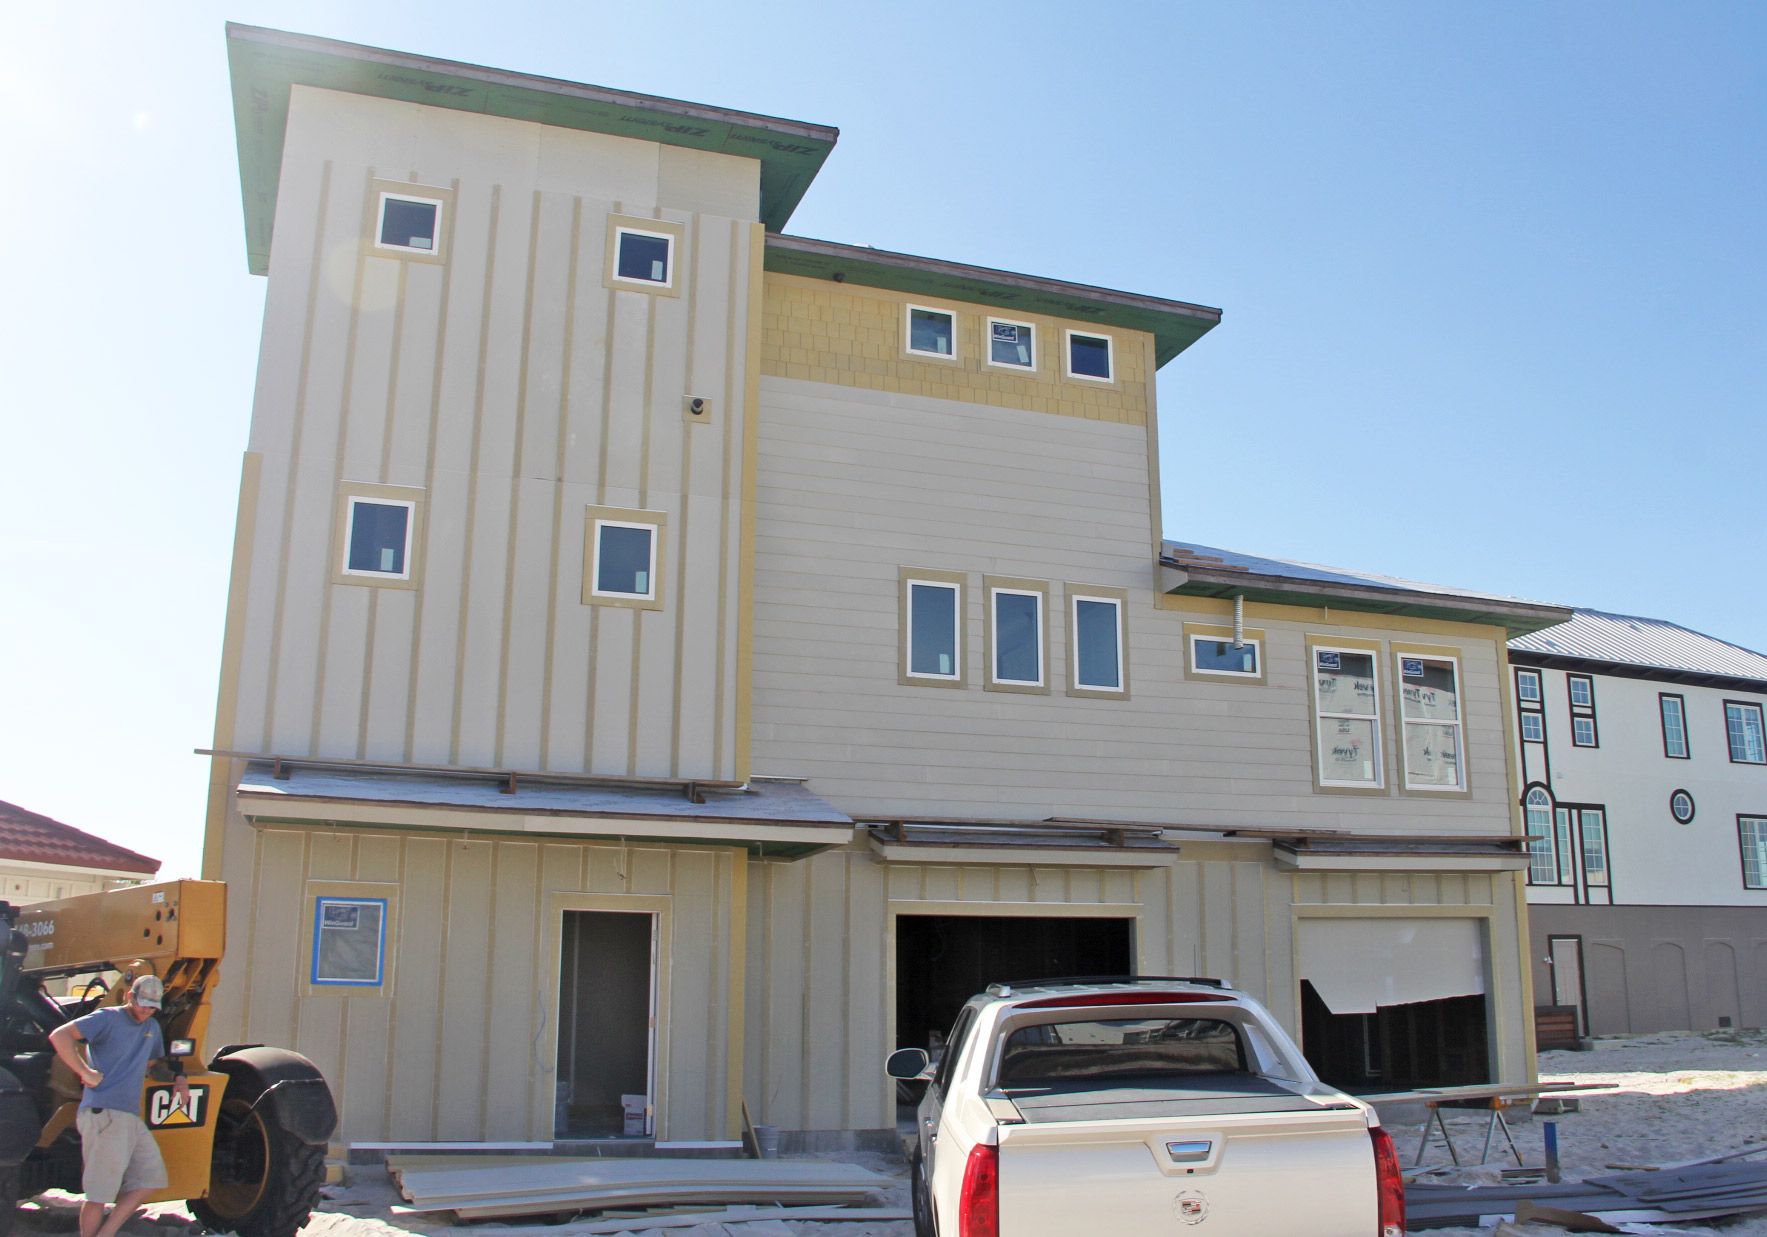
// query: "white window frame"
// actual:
[[1110, 356], [1663, 699], [350, 503], [995, 592], [909, 584], [595, 590], [1587, 682], [1594, 877], [1196, 667], [1529, 676], [1320, 716], [1075, 597], [908, 312], [1013, 366], [1577, 722], [1744, 708], [1539, 720], [380, 219], [1458, 725], [1542, 843], [621, 231], [1757, 825]]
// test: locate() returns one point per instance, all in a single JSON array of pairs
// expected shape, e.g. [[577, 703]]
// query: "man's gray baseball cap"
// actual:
[[147, 991]]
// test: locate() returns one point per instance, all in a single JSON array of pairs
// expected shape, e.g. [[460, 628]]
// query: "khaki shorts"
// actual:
[[120, 1154]]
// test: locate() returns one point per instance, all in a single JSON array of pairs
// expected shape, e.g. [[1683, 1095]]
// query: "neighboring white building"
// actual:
[[1644, 768], [42, 859]]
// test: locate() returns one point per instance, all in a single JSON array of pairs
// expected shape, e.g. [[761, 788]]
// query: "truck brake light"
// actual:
[[1390, 1184], [978, 1210], [1125, 998]]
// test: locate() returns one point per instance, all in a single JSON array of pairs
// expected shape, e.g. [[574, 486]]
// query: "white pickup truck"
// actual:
[[1117, 1107]]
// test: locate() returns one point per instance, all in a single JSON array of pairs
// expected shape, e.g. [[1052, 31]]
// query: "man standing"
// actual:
[[122, 1162]]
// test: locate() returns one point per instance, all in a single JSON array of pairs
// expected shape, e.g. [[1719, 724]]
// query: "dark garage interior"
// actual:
[[1397, 1047]]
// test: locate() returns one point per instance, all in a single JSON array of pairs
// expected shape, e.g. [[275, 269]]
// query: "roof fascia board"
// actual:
[[1518, 618], [1175, 325], [1630, 670], [265, 63]]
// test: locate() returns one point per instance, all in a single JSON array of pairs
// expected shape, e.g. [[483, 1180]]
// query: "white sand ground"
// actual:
[[1677, 1098]]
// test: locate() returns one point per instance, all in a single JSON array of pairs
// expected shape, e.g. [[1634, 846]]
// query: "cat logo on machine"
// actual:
[[164, 1112]]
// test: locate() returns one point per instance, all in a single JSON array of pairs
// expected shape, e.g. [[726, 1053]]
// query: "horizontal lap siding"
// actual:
[[854, 485]]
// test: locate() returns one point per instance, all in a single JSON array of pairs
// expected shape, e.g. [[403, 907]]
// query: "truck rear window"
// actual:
[[1119, 1048]]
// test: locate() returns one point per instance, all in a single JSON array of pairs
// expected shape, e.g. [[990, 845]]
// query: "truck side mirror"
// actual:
[[907, 1064]]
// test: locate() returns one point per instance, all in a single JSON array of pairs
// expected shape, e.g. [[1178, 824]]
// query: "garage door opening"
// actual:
[[1397, 1047], [1394, 1003], [943, 960]]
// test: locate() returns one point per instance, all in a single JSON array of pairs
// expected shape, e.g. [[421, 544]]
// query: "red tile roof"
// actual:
[[29, 836]]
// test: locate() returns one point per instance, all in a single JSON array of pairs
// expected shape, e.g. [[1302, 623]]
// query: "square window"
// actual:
[[644, 257], [1583, 731], [1096, 647], [380, 538], [932, 638], [1089, 356], [1527, 685], [1742, 726], [1533, 728], [1015, 636], [1582, 691], [932, 332], [1674, 712], [377, 535], [349, 941], [408, 223], [1217, 655], [623, 558], [1012, 344], [1346, 704]]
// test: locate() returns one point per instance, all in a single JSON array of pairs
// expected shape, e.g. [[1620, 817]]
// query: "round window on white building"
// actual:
[[1681, 807]]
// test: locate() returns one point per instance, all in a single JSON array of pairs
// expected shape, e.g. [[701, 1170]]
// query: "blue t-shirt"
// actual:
[[120, 1049]]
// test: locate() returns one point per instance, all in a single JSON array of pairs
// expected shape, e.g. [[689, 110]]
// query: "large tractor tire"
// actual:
[[270, 1137], [18, 1134]]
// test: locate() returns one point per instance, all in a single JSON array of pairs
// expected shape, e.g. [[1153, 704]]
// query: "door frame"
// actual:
[[1553, 939], [659, 907]]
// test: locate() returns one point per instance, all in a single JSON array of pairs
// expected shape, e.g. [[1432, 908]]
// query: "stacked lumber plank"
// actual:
[[1689, 1192], [501, 1187]]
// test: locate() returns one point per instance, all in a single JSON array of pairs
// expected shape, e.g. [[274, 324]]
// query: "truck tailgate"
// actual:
[[1310, 1174]]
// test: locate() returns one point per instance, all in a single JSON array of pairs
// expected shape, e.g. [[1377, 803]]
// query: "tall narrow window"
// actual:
[[1565, 852], [1095, 645], [1742, 725], [1582, 692], [1752, 833], [1429, 708], [1347, 706], [1542, 854], [1594, 825], [932, 635], [1674, 711], [1015, 636]]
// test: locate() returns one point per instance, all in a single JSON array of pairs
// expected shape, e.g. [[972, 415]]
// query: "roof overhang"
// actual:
[[266, 64], [1630, 670], [991, 841], [1401, 854], [769, 820], [1517, 618], [1174, 325]]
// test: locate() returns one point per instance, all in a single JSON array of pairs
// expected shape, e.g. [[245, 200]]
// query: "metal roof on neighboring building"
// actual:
[[1654, 644], [36, 838], [1205, 571]]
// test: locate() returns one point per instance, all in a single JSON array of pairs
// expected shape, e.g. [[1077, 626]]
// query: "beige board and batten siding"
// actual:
[[509, 390], [823, 964], [854, 485], [460, 1042]]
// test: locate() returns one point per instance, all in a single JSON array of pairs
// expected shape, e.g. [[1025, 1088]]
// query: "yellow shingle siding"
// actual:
[[852, 336]]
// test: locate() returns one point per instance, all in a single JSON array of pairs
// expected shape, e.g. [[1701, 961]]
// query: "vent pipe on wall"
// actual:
[[1239, 620]]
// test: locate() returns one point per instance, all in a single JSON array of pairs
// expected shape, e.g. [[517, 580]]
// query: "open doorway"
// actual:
[[606, 1025], [943, 960]]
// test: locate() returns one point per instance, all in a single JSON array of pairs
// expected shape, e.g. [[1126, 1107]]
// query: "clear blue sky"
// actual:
[[1493, 276]]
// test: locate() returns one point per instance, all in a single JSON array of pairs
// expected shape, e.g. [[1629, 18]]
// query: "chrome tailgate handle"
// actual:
[[1189, 1152]]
